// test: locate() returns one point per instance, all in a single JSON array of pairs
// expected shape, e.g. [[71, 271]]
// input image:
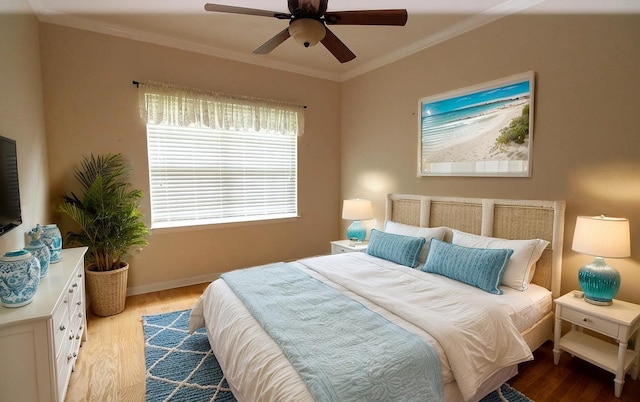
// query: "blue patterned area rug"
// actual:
[[182, 367]]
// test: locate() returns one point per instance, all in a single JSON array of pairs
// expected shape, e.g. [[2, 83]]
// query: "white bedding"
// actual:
[[258, 371]]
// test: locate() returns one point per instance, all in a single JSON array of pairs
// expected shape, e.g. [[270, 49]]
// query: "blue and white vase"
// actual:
[[51, 237], [39, 249], [19, 278]]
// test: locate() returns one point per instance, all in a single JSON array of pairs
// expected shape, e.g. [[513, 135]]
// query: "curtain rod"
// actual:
[[137, 84]]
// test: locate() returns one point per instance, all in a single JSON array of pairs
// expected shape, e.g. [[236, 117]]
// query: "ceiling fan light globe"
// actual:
[[307, 31]]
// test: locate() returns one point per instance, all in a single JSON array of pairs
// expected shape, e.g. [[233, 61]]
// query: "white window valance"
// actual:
[[165, 104]]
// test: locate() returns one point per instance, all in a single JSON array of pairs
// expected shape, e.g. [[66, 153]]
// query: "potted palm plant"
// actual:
[[109, 223]]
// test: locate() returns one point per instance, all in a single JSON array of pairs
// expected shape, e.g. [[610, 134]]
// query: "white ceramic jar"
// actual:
[[52, 237], [19, 278]]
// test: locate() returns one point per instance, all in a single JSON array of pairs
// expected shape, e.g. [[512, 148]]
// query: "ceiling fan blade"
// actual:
[[367, 17], [337, 48], [273, 43], [219, 8]]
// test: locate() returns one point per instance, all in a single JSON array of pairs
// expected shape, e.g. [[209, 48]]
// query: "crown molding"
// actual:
[[162, 40], [473, 22]]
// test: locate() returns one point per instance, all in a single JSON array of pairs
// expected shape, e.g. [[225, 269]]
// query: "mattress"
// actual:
[[257, 370]]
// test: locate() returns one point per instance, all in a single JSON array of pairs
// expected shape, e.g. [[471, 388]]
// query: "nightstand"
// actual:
[[347, 246], [618, 321]]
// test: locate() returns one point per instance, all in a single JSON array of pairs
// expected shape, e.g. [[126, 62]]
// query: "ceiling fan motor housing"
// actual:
[[307, 31]]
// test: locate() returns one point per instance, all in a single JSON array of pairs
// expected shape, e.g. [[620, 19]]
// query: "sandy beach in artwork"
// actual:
[[479, 144]]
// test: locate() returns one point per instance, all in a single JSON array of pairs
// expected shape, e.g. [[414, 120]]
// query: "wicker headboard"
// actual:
[[507, 219]]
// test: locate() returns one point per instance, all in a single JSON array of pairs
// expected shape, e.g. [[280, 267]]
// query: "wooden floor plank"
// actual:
[[571, 380], [98, 372], [110, 366]]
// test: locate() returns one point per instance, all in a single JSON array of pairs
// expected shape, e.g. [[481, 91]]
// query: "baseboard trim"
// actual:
[[156, 287]]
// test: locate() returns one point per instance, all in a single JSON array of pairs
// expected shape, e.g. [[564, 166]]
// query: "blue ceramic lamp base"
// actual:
[[356, 231], [599, 282]]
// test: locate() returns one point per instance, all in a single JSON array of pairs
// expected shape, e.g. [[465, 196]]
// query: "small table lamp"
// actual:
[[601, 237], [357, 210]]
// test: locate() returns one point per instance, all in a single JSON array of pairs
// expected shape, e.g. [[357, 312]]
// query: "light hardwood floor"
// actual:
[[110, 366]]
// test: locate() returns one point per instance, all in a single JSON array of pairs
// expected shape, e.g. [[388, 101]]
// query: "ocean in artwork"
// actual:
[[456, 126]]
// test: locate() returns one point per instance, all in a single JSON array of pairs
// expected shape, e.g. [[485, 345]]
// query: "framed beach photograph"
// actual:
[[483, 130]]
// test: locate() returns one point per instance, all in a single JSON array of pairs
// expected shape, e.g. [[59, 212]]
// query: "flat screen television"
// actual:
[[10, 213]]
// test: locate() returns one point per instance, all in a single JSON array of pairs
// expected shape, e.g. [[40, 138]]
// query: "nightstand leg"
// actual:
[[557, 333], [619, 380], [636, 365]]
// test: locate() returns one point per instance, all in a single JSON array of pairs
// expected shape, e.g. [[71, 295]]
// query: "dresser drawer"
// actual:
[[61, 324], [594, 323], [77, 321], [64, 364], [75, 297]]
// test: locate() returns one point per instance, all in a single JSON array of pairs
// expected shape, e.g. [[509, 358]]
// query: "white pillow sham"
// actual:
[[416, 231], [521, 266]]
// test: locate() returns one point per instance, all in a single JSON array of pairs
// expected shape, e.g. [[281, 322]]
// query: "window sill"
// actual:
[[225, 225]]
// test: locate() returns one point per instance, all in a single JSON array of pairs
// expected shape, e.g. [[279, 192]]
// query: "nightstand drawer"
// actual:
[[347, 246], [335, 249], [594, 323]]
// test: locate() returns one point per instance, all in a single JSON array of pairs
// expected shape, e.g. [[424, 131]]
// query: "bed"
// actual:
[[259, 369]]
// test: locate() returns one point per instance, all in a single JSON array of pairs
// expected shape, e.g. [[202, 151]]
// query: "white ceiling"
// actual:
[[184, 24]]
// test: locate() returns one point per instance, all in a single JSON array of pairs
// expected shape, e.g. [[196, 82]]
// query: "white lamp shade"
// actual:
[[307, 31], [357, 210], [602, 236]]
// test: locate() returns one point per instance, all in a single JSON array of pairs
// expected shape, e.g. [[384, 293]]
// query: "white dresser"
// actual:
[[39, 342]]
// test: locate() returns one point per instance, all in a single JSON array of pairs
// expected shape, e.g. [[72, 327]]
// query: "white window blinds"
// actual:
[[236, 162]]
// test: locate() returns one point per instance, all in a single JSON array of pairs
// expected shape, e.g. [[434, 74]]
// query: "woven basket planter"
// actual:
[[107, 290]]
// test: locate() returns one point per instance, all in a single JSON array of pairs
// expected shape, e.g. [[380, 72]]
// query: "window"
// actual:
[[218, 159]]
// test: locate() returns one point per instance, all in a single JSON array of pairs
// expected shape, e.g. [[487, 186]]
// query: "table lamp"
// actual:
[[357, 210], [602, 237]]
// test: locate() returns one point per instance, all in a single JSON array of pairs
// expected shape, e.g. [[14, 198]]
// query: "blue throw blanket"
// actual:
[[341, 350]]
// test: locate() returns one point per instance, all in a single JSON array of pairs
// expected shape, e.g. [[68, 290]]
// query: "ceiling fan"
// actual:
[[308, 20]]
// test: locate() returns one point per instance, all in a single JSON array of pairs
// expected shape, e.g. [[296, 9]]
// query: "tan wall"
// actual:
[[586, 147], [22, 116], [92, 107]]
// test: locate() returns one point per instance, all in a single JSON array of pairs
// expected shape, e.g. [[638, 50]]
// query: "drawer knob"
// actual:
[[78, 336], [71, 337], [70, 290], [75, 285], [69, 356], [585, 319], [79, 315], [79, 275], [62, 327], [79, 303]]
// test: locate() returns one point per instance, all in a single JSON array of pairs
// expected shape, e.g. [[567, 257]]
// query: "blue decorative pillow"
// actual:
[[403, 250], [479, 267]]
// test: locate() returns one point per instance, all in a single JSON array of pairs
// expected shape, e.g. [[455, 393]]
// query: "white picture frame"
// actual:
[[481, 130]]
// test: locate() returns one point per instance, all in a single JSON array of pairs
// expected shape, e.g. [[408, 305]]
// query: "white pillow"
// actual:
[[520, 268], [415, 231]]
